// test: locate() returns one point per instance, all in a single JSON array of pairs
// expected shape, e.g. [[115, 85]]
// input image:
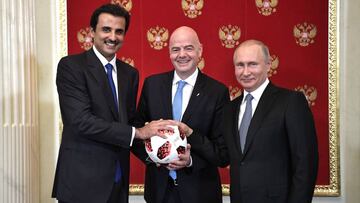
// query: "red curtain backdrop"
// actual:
[[295, 31]]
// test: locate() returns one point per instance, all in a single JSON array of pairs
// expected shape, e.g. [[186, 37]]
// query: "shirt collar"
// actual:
[[258, 92], [190, 80], [103, 60]]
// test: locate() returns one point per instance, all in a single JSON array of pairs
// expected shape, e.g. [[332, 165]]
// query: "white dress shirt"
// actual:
[[257, 95], [187, 91], [188, 88], [104, 61]]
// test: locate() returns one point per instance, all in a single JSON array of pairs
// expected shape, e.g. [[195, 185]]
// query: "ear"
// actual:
[[200, 50], [92, 33], [268, 65]]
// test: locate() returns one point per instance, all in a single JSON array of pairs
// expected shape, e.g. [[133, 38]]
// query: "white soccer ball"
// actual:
[[164, 151]]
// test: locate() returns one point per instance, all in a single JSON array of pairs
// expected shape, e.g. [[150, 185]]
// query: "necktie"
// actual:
[[245, 122], [109, 68], [177, 109]]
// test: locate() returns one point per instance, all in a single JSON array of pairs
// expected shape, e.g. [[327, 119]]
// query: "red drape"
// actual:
[[295, 31]]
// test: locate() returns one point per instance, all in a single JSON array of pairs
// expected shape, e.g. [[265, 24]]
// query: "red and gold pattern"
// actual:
[[266, 20], [192, 8], [309, 92], [266, 7], [164, 150], [84, 38], [304, 34], [229, 36], [129, 61], [201, 64], [157, 37], [234, 92], [274, 65], [127, 4]]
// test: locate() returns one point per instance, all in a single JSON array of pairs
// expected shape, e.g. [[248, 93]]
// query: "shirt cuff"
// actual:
[[132, 136], [188, 166]]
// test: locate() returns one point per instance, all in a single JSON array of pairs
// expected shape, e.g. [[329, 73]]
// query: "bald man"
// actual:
[[270, 135], [196, 176]]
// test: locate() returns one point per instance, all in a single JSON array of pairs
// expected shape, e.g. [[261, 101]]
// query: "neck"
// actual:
[[184, 75]]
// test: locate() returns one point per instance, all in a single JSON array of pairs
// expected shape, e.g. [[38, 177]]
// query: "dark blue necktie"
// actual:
[[245, 122], [177, 109], [109, 68]]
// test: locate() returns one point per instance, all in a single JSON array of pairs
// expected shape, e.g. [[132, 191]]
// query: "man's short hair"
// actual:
[[113, 9]]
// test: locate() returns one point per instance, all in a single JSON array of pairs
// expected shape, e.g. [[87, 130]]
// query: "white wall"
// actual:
[[349, 91], [47, 37]]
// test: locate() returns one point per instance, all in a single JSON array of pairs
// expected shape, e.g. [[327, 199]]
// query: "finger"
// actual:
[[176, 163], [174, 167], [183, 157]]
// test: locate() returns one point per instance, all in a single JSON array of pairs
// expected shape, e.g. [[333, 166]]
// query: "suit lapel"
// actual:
[[195, 97], [98, 72], [122, 80], [165, 92], [235, 110], [264, 105]]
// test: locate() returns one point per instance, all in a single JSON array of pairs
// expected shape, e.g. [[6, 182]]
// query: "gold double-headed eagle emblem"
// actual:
[[192, 8], [274, 65], [304, 34], [266, 7], [157, 37], [234, 92], [229, 36], [127, 4], [309, 92], [201, 63], [129, 61], [84, 38]]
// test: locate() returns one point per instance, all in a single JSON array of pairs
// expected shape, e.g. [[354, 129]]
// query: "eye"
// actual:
[[240, 65], [120, 32], [189, 48], [253, 64], [175, 49], [106, 29]]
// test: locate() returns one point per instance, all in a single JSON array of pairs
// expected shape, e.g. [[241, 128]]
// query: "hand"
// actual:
[[184, 160], [153, 129], [183, 128]]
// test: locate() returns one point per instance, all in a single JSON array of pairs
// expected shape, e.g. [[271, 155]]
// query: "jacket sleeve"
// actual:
[[303, 147], [138, 147], [77, 107], [211, 148]]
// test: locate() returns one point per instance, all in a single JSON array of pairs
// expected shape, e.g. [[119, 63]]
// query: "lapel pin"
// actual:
[[198, 94]]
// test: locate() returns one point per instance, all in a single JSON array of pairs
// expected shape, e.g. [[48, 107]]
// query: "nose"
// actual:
[[182, 53], [112, 36], [246, 70]]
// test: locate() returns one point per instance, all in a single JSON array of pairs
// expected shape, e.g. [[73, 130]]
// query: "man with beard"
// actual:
[[97, 95]]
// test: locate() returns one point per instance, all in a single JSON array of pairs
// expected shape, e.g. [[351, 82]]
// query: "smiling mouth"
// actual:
[[183, 61], [111, 43], [246, 80]]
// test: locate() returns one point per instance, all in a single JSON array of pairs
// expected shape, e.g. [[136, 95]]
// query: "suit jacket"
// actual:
[[94, 135], [280, 160], [201, 182]]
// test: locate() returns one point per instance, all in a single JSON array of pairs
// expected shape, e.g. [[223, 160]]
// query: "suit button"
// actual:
[[242, 163]]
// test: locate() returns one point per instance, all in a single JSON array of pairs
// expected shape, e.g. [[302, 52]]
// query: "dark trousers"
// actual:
[[172, 194], [117, 195]]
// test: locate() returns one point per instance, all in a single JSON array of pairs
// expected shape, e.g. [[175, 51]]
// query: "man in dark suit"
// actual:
[[97, 107], [270, 135], [197, 178]]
